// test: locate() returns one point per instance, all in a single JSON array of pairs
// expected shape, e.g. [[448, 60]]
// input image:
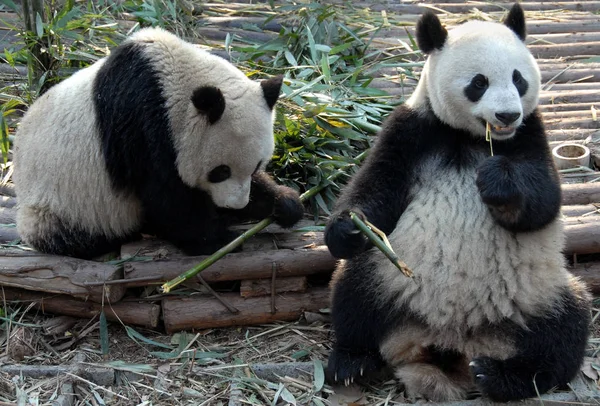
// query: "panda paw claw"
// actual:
[[486, 372], [346, 368]]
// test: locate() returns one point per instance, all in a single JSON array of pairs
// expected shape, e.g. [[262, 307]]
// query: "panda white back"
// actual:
[[60, 165]]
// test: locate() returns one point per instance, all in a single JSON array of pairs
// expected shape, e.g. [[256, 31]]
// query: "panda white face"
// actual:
[[228, 138], [481, 72]]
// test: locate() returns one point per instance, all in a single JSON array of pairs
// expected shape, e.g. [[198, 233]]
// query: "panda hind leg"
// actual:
[[549, 353], [439, 375], [48, 233], [359, 321]]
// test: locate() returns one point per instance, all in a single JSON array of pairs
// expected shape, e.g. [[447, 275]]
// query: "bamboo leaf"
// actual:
[[134, 335], [10, 4], [39, 25], [318, 375]]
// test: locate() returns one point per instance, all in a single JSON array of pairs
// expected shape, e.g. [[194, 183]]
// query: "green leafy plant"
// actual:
[[328, 112]]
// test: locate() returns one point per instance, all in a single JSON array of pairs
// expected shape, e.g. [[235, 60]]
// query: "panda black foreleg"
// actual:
[[549, 354], [185, 217], [522, 195], [359, 321]]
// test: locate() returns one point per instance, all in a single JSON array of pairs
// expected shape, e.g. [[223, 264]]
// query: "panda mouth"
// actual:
[[502, 130]]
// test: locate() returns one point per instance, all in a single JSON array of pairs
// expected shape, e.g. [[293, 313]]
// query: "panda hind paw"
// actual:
[[490, 377]]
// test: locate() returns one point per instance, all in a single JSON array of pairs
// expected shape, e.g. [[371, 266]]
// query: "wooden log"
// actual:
[[139, 314], [8, 215], [572, 123], [565, 134], [560, 50], [569, 96], [592, 218], [571, 74], [20, 251], [563, 38], [202, 311], [580, 193], [8, 201], [568, 106], [264, 241], [582, 238], [580, 209], [63, 275], [262, 287], [8, 189], [237, 266], [8, 234], [590, 274], [466, 7], [562, 114]]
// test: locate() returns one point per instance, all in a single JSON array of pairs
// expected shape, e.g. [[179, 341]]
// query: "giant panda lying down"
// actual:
[[160, 138], [492, 307]]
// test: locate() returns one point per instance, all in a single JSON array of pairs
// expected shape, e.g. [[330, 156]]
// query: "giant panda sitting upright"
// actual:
[[492, 307], [160, 137]]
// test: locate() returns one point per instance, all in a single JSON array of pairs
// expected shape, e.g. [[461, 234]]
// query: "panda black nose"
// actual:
[[508, 118]]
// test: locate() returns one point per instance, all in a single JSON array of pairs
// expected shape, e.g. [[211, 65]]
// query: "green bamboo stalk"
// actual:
[[166, 287], [379, 239]]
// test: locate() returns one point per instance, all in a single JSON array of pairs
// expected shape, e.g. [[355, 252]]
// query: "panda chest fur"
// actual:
[[468, 269]]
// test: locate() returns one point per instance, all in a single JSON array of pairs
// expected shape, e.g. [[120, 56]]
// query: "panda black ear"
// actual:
[[209, 101], [271, 88], [516, 21], [430, 32]]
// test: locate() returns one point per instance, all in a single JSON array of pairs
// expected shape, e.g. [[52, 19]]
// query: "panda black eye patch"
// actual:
[[520, 83], [477, 88], [219, 174]]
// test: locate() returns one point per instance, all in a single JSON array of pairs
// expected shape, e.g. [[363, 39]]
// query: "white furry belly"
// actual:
[[468, 269]]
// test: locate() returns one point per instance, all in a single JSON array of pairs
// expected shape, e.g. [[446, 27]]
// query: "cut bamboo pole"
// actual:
[[63, 275], [139, 314], [202, 312], [236, 266], [262, 287]]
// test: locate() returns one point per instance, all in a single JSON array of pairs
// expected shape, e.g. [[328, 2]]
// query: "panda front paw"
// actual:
[[342, 237], [288, 208], [496, 184], [344, 367]]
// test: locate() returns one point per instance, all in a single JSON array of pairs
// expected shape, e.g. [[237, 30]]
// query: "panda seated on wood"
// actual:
[[491, 308], [160, 137]]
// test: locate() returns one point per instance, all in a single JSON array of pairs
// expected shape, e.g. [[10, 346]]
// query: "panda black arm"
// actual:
[[379, 191], [267, 198], [520, 184]]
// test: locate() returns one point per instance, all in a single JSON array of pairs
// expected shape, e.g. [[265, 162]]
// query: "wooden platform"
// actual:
[[564, 37]]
